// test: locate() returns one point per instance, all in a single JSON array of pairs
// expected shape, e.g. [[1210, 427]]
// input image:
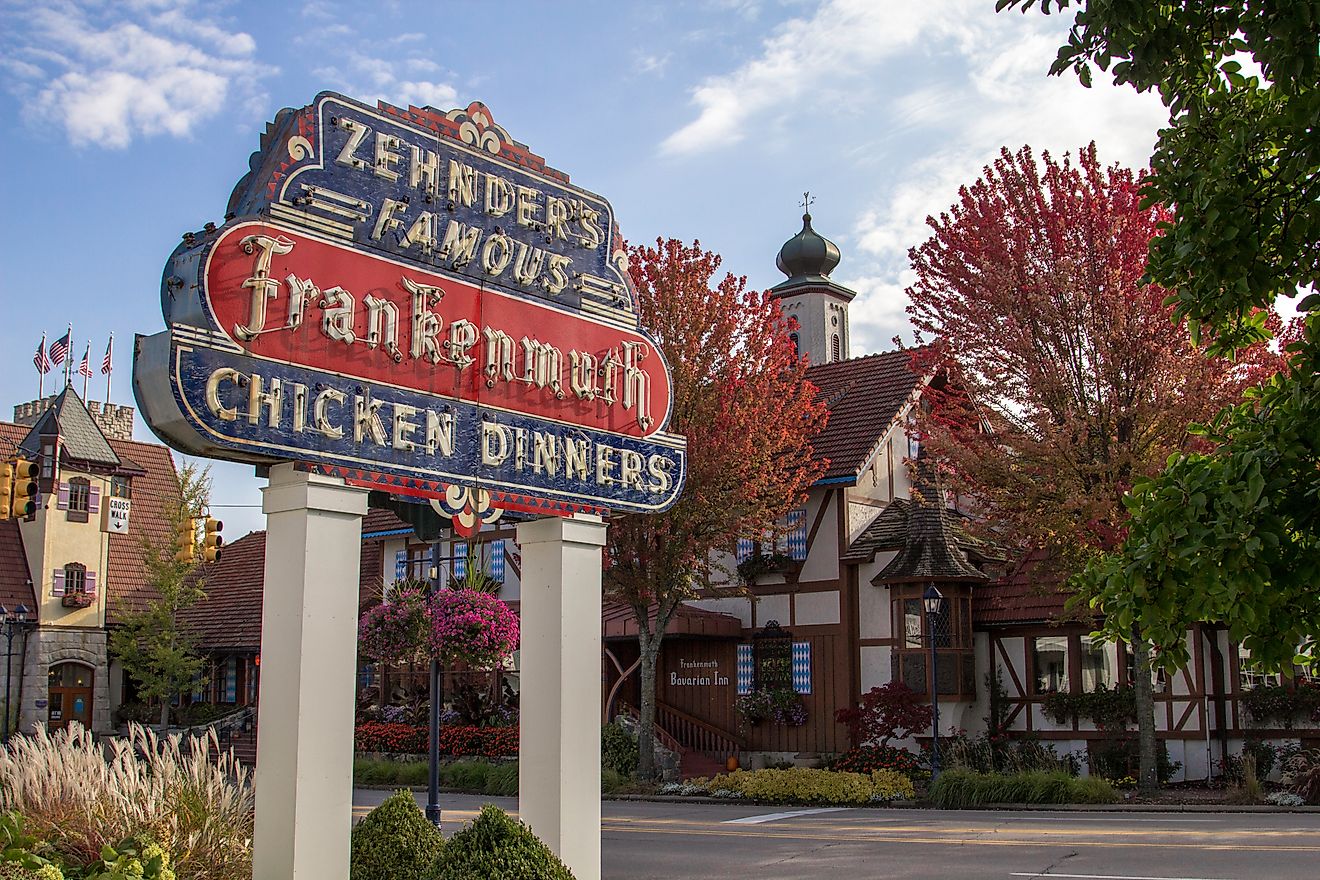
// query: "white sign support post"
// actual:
[[308, 674], [559, 692]]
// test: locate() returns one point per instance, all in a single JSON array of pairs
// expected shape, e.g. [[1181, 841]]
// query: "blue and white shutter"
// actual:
[[744, 550], [460, 559], [400, 564], [802, 667], [745, 669], [497, 561], [797, 535]]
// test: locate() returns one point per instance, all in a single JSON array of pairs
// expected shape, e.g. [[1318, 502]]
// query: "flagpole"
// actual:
[[109, 366], [86, 368], [41, 374], [68, 363]]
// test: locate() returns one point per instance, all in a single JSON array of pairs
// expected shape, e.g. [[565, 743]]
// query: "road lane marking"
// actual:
[[775, 817], [1040, 876], [809, 834]]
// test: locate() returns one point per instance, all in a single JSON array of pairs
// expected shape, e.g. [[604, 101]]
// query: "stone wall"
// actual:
[[48, 646], [114, 420]]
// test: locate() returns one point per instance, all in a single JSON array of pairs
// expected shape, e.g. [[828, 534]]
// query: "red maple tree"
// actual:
[[1064, 376], [742, 400]]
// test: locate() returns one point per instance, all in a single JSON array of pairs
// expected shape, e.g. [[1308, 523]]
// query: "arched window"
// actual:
[[836, 348], [75, 578], [80, 495], [797, 347]]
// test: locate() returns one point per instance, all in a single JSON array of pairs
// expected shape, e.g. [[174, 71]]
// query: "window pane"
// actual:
[[912, 623], [1099, 664], [1050, 660], [913, 670], [947, 672]]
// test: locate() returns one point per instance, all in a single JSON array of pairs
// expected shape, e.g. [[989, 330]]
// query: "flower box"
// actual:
[[77, 600]]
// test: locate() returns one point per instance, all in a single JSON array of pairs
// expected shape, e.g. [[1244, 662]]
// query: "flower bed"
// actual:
[[409, 739], [870, 758]]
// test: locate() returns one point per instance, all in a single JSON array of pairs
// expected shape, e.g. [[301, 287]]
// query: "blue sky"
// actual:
[[127, 124]]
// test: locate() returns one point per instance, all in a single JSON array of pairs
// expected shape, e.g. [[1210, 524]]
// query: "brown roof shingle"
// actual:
[[1031, 594], [154, 491], [15, 580], [864, 396], [229, 617]]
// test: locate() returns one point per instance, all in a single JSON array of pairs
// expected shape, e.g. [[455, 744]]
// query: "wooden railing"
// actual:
[[695, 734], [661, 734]]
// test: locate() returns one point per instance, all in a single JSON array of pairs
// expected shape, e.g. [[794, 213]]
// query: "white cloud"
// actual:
[[369, 78], [950, 88], [144, 69], [844, 39], [651, 63]]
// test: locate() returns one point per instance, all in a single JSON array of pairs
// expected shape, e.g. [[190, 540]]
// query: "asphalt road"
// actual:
[[668, 841]]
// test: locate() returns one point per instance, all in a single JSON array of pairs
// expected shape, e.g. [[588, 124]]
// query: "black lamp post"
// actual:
[[433, 733], [933, 599], [14, 623]]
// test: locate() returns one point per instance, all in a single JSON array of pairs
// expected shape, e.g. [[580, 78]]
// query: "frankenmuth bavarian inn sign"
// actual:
[[412, 301]]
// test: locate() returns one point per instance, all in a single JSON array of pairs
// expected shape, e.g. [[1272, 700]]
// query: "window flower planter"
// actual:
[[77, 600]]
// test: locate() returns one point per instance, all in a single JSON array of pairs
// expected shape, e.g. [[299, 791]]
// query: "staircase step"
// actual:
[[697, 764]]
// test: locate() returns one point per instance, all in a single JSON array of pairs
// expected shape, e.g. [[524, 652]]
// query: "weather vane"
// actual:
[[807, 202]]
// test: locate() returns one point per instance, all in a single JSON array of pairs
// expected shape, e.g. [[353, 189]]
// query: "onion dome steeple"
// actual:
[[807, 256], [808, 296]]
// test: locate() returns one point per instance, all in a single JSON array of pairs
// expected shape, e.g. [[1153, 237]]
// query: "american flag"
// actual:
[[85, 368], [106, 362], [59, 349], [40, 358]]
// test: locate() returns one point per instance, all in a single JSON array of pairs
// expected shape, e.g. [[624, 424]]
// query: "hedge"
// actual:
[[966, 789], [807, 785]]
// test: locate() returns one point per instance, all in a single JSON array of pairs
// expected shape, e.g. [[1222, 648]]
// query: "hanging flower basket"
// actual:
[[472, 627], [396, 631]]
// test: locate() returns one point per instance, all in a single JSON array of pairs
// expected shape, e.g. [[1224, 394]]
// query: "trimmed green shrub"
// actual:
[[618, 749], [960, 789], [496, 847], [395, 842], [807, 785]]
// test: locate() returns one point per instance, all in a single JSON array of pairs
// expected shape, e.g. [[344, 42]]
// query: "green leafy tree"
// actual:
[[1230, 534], [153, 644]]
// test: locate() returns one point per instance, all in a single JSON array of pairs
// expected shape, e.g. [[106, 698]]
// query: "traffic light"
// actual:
[[25, 488], [6, 489], [212, 540], [187, 541]]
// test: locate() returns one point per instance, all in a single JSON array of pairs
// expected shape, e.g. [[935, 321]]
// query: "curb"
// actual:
[[914, 805]]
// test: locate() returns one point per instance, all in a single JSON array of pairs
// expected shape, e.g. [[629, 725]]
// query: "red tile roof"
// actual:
[[10, 436], [377, 521], [864, 396], [153, 492], [229, 617], [1032, 593], [15, 581]]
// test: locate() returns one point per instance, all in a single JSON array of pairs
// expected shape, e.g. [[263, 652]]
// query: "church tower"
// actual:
[[819, 305]]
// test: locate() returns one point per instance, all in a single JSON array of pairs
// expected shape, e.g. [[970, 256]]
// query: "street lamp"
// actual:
[[933, 599], [14, 623]]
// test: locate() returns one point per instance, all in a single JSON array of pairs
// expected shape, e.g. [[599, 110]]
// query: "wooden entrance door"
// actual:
[[70, 697]]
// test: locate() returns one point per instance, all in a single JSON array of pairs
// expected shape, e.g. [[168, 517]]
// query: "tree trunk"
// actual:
[[1148, 780], [164, 715], [649, 646]]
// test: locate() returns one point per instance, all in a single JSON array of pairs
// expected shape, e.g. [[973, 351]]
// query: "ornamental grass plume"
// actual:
[[78, 796], [472, 627]]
